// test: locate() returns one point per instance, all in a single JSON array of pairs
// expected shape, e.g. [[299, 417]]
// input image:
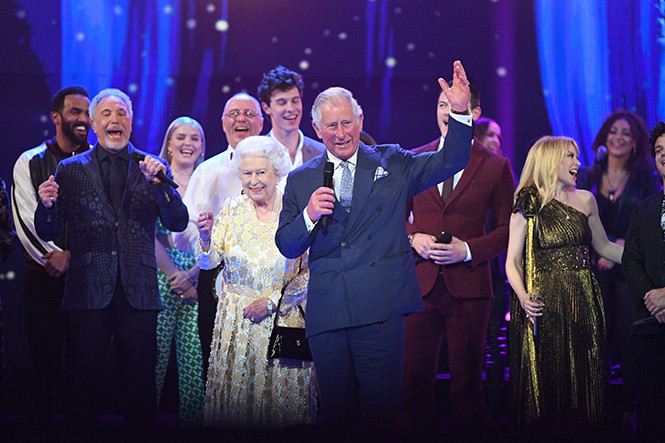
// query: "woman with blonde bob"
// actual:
[[558, 355]]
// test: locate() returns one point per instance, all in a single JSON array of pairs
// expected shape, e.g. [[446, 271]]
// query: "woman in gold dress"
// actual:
[[557, 338], [244, 389]]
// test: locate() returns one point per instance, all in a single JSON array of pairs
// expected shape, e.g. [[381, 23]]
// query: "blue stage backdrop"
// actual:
[[187, 57]]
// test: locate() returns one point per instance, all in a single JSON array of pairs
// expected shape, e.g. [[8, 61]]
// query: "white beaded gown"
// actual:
[[244, 389]]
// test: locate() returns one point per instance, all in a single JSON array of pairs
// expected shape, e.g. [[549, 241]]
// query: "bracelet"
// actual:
[[204, 245], [271, 307], [411, 239]]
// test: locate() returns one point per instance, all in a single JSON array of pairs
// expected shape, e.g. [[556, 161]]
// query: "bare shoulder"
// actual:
[[583, 200]]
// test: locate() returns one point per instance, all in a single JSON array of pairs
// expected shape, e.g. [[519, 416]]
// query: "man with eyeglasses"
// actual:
[[209, 186]]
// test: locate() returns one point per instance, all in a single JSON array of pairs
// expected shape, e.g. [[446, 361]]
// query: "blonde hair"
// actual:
[[541, 167], [175, 124]]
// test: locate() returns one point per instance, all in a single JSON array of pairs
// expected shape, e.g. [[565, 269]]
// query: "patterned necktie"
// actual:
[[346, 187]]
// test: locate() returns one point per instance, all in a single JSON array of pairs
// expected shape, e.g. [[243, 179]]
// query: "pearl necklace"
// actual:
[[263, 227]]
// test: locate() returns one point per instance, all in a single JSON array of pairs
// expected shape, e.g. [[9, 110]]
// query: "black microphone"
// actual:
[[445, 237], [601, 153], [645, 321], [536, 332], [328, 183], [160, 175]]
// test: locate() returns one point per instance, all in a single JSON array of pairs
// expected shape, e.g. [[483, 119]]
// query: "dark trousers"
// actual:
[[360, 371], [134, 333], [463, 322], [45, 327], [207, 312], [650, 351]]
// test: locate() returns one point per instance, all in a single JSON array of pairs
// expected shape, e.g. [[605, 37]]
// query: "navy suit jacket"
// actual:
[[643, 259], [362, 271], [105, 245]]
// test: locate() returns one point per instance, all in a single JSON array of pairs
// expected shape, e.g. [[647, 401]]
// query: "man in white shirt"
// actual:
[[46, 262], [209, 186], [280, 93]]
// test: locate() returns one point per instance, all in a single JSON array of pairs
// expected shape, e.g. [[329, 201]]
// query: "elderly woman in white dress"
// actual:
[[244, 389]]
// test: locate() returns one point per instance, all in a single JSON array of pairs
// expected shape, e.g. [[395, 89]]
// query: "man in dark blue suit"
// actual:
[[110, 204], [643, 258], [362, 275]]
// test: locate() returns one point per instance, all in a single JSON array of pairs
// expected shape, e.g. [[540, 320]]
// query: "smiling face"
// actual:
[[659, 157], [285, 109], [112, 123], [241, 119], [339, 131], [442, 113], [620, 141], [258, 179], [73, 122], [185, 146], [492, 139], [567, 174]]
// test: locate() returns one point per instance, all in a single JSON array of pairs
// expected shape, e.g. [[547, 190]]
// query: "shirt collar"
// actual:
[[103, 154], [353, 160]]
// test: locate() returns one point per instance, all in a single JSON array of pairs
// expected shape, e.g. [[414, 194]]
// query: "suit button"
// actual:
[[114, 252], [373, 264], [346, 269], [343, 244], [369, 237], [378, 209], [117, 224]]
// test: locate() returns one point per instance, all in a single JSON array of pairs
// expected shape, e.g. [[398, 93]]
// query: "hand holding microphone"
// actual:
[[149, 167], [328, 183]]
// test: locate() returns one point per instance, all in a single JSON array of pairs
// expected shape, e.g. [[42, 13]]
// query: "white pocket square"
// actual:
[[380, 173]]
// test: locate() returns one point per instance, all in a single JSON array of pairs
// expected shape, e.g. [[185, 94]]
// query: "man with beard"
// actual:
[[46, 262], [109, 204], [209, 186]]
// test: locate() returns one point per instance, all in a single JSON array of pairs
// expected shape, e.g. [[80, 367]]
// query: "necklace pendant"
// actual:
[[611, 196]]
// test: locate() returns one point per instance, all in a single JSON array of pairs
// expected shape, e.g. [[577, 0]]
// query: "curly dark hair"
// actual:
[[639, 161], [279, 78], [58, 101], [655, 133]]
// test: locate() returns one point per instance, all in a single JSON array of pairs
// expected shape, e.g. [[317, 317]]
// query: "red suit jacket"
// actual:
[[487, 184]]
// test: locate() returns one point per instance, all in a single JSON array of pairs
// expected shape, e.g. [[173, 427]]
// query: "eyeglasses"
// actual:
[[235, 113]]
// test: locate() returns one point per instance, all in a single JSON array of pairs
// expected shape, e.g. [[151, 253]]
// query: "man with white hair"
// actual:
[[110, 204]]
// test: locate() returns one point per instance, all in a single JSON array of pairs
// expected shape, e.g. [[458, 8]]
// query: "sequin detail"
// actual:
[[569, 369]]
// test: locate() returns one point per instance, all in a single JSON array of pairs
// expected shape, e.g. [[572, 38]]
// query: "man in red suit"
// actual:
[[455, 278]]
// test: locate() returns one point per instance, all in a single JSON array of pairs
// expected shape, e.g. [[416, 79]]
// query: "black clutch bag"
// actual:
[[288, 343]]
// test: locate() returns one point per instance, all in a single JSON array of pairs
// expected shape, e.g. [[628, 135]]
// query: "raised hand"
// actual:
[[458, 94], [48, 192], [204, 224]]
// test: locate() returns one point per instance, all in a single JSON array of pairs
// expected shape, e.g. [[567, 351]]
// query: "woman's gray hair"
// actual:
[[262, 146], [335, 94], [175, 124], [111, 92]]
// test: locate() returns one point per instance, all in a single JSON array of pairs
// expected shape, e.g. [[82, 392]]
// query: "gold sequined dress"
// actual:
[[566, 368], [244, 389]]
